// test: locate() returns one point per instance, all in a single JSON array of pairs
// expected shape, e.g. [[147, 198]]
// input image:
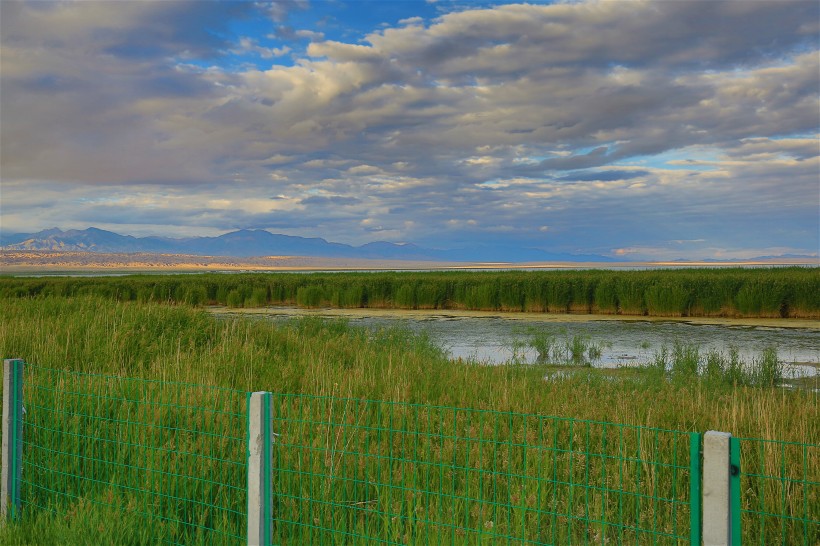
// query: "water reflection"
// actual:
[[607, 343]]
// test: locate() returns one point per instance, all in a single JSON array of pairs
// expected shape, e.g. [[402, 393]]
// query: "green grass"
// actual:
[[686, 362], [733, 292], [373, 441], [551, 349]]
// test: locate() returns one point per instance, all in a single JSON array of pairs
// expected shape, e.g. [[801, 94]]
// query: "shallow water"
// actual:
[[496, 339]]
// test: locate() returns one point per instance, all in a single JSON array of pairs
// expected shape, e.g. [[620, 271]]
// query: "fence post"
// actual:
[[695, 480], [734, 490], [12, 460], [260, 440], [721, 508]]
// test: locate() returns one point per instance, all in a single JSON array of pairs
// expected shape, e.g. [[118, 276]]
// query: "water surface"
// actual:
[[496, 339]]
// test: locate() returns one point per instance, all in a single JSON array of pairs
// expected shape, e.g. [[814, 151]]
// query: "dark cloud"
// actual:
[[49, 84], [690, 35], [153, 29]]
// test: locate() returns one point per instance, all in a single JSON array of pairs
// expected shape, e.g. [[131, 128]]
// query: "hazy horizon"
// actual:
[[638, 130]]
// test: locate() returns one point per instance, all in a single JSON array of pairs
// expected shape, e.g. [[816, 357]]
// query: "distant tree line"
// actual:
[[732, 292]]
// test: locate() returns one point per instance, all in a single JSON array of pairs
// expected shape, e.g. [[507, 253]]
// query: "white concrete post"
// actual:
[[260, 440], [717, 513], [12, 459]]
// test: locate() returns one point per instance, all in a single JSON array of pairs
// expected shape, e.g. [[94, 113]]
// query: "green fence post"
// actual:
[[12, 460], [695, 499], [734, 489], [260, 440]]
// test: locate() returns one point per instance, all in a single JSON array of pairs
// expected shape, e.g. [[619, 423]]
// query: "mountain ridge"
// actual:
[[250, 243]]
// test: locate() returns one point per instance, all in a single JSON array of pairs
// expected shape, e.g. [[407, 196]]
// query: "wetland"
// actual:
[[379, 347], [599, 341]]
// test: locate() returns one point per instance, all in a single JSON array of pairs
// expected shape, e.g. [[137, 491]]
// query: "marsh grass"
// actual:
[[561, 348], [731, 292], [686, 362], [373, 441]]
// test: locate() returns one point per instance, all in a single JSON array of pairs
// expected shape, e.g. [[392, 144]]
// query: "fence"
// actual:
[[419, 474], [350, 471], [780, 484], [168, 454]]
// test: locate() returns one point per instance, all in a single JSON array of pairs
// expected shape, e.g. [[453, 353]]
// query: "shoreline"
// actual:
[[361, 312]]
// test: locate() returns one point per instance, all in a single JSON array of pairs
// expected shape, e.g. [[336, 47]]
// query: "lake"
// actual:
[[498, 338]]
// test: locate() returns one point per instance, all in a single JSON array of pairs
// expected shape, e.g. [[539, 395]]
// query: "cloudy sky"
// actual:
[[641, 130]]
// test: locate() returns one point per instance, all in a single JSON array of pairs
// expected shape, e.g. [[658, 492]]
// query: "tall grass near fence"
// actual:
[[352, 470], [780, 492], [775, 292], [319, 359], [313, 356], [170, 454]]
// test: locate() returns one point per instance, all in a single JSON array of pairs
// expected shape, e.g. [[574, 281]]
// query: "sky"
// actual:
[[631, 129]]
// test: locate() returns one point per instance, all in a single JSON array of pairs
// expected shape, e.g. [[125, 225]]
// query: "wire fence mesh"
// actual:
[[359, 471], [780, 492], [171, 453], [349, 471]]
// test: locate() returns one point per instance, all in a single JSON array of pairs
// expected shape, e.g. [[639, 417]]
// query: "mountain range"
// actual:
[[247, 243]]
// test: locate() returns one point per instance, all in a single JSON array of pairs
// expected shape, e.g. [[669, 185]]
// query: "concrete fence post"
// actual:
[[260, 440], [12, 459], [721, 508]]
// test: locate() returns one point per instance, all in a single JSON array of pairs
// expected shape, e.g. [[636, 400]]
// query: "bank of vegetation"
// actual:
[[792, 292], [310, 356]]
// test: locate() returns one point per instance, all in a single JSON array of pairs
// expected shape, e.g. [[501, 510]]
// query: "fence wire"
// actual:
[[172, 459], [350, 471], [779, 492], [173, 454]]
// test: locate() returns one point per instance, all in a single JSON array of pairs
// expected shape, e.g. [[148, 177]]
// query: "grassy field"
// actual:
[[328, 368], [734, 292]]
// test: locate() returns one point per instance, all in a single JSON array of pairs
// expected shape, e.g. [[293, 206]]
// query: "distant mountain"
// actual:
[[87, 240], [775, 259], [804, 257], [246, 243]]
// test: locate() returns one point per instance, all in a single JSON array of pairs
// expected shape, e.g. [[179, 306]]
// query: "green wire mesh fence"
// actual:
[[348, 471], [171, 453], [359, 471], [779, 492]]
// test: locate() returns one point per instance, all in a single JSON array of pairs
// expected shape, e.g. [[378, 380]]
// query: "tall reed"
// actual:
[[733, 292]]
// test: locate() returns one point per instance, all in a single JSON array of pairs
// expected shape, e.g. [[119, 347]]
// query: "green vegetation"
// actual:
[[551, 349], [735, 292], [685, 362], [332, 369]]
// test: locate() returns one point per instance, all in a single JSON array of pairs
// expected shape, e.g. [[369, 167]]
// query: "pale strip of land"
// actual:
[[22, 262], [512, 315], [28, 262]]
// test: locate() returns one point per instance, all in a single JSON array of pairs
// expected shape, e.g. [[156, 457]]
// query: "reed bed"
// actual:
[[733, 292], [352, 405]]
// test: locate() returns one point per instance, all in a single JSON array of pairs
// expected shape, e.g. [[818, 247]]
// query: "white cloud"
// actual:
[[250, 45], [522, 116]]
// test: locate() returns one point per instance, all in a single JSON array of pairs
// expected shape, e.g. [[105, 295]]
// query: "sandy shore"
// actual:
[[530, 317]]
